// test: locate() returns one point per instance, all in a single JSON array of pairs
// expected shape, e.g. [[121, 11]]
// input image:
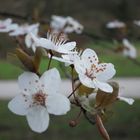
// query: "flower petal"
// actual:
[[38, 119], [29, 82], [89, 57], [28, 40], [46, 43], [18, 105], [63, 59], [130, 101], [86, 81], [104, 86], [51, 81], [42, 42], [12, 27], [8, 21], [57, 104], [60, 59], [106, 71], [68, 46], [79, 65], [129, 49]]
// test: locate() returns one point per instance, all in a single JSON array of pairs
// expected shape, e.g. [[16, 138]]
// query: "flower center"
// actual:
[[57, 38], [90, 74], [39, 98]]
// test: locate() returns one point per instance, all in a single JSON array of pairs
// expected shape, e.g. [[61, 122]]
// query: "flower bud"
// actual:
[[72, 123]]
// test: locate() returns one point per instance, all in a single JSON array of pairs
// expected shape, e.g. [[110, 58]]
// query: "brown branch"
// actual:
[[101, 127], [23, 17], [74, 90]]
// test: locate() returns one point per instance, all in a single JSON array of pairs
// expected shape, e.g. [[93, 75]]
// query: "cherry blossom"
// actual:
[[66, 24], [55, 42], [29, 41], [137, 22], [24, 29], [129, 50], [92, 73], [7, 25], [115, 24], [39, 97]]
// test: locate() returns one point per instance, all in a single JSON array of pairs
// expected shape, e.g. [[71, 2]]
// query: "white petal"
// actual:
[[34, 47], [31, 28], [29, 82], [104, 86], [68, 46], [18, 105], [46, 43], [28, 40], [38, 119], [86, 81], [66, 61], [89, 57], [68, 29], [130, 101], [129, 49], [79, 65], [8, 21], [51, 81], [107, 72], [57, 104], [12, 27], [60, 59], [42, 42]]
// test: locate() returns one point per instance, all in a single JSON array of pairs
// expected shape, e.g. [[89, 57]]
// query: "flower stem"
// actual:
[[72, 79], [49, 64], [101, 127], [74, 90]]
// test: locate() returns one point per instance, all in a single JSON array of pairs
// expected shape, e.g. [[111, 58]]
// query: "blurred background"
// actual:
[[124, 123]]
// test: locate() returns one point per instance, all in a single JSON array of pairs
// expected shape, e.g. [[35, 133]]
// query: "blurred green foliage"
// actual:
[[123, 125]]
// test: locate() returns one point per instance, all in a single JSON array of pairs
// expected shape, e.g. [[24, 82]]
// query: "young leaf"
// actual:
[[83, 90], [37, 58], [103, 99], [13, 59], [26, 60]]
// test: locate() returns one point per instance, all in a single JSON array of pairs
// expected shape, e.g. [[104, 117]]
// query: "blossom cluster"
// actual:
[[126, 47], [40, 93]]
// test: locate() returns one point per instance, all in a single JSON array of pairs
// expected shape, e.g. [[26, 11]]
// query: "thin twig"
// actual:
[[49, 64], [74, 90], [72, 80], [21, 17]]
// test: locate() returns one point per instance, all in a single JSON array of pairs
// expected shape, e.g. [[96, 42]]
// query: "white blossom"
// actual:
[[54, 42], [137, 22], [115, 24], [7, 25], [129, 50], [92, 73], [29, 41], [66, 24], [24, 29], [39, 97]]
